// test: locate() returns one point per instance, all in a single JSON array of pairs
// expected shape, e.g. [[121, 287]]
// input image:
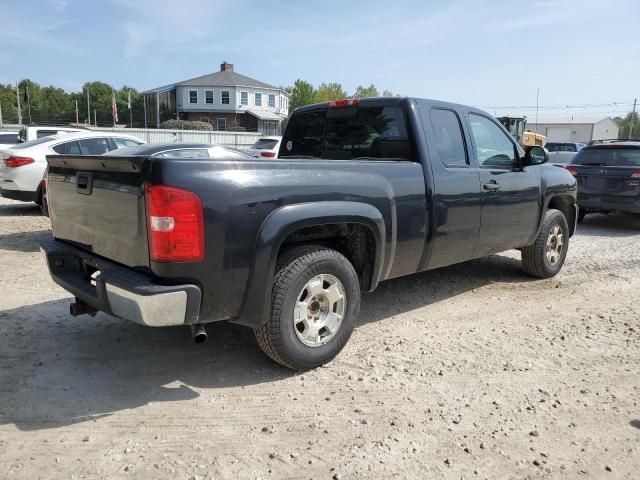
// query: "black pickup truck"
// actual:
[[362, 191]]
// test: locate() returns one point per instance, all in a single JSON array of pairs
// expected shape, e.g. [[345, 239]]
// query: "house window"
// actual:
[[258, 99], [225, 97], [244, 98], [208, 96], [193, 96], [204, 119], [272, 101], [222, 123]]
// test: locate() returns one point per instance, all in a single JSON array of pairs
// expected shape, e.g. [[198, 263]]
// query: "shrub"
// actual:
[[185, 125], [237, 129]]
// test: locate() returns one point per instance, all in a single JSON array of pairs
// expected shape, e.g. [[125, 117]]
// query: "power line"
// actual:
[[559, 107]]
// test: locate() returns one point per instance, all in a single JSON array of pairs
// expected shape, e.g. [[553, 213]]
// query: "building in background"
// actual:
[[225, 99], [574, 129]]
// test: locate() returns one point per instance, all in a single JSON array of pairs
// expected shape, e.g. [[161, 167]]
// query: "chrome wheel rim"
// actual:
[[555, 245], [320, 308]]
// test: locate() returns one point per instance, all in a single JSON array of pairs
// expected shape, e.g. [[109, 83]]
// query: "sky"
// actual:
[[582, 55]]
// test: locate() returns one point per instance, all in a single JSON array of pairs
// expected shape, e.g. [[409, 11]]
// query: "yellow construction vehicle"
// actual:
[[516, 126]]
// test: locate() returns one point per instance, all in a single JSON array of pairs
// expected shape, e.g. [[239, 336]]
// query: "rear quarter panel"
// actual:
[[238, 196]]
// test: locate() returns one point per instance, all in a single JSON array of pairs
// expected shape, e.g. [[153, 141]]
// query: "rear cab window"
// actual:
[[610, 156], [362, 132], [265, 144]]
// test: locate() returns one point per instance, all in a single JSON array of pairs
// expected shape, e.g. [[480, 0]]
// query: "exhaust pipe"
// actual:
[[199, 333]]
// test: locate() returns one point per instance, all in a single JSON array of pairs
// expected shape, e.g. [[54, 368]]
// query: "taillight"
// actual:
[[636, 174], [268, 154], [345, 102], [175, 223], [15, 162], [572, 170]]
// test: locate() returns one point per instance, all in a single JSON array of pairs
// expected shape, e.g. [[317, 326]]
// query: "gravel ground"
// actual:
[[471, 371]]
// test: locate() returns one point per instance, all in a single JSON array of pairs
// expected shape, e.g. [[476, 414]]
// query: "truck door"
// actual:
[[456, 196], [510, 195]]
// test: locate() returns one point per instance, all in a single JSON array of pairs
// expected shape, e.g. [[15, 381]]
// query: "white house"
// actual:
[[226, 99], [574, 129]]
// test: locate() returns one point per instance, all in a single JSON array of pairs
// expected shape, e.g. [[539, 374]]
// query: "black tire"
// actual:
[[581, 214], [534, 257], [277, 337], [44, 204]]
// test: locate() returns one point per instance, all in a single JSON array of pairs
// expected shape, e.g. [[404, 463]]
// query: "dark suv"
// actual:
[[608, 176]]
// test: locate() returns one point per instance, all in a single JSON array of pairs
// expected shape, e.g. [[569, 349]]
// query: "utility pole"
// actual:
[[537, 106], [0, 113], [77, 120], [28, 101], [88, 109], [633, 118], [19, 110], [95, 117]]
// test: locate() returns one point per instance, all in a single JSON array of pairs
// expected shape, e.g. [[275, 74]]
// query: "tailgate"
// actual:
[[97, 203]]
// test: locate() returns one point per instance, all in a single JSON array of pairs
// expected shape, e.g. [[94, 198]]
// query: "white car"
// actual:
[[265, 147], [8, 139], [33, 132], [22, 166]]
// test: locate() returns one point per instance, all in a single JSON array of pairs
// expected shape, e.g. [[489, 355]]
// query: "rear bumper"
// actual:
[[609, 203], [120, 291], [21, 195]]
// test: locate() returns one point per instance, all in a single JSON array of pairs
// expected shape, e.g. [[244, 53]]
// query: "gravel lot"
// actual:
[[472, 371]]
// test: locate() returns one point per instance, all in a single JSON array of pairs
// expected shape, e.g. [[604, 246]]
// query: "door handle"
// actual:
[[492, 186]]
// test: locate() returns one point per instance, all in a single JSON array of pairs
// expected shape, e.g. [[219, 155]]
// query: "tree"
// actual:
[[302, 93], [631, 119], [364, 92], [329, 91]]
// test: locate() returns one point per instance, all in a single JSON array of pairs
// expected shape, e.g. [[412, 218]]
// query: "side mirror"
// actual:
[[534, 155]]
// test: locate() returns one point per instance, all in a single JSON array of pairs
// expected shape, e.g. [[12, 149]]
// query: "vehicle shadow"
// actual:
[[20, 209], [56, 370], [610, 225], [23, 241]]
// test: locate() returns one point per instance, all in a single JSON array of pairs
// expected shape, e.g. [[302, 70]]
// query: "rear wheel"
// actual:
[[315, 304], [546, 256]]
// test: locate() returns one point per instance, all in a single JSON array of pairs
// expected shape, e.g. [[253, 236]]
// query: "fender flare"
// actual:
[[284, 221]]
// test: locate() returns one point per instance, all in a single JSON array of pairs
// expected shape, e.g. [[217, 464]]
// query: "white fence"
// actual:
[[229, 139]]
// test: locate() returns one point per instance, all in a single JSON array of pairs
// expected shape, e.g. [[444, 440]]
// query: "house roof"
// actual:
[[265, 115], [225, 79], [573, 120]]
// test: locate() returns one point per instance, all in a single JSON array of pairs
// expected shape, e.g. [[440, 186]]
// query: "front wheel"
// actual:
[[315, 304], [546, 256]]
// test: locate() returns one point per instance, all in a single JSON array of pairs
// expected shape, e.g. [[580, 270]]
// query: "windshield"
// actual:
[[129, 151], [609, 157], [348, 133], [265, 144]]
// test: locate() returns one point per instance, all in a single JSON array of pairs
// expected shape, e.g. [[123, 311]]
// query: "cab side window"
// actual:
[[493, 147], [449, 139], [68, 148], [94, 146]]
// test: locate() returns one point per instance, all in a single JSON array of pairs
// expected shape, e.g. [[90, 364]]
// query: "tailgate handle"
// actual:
[[84, 183]]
